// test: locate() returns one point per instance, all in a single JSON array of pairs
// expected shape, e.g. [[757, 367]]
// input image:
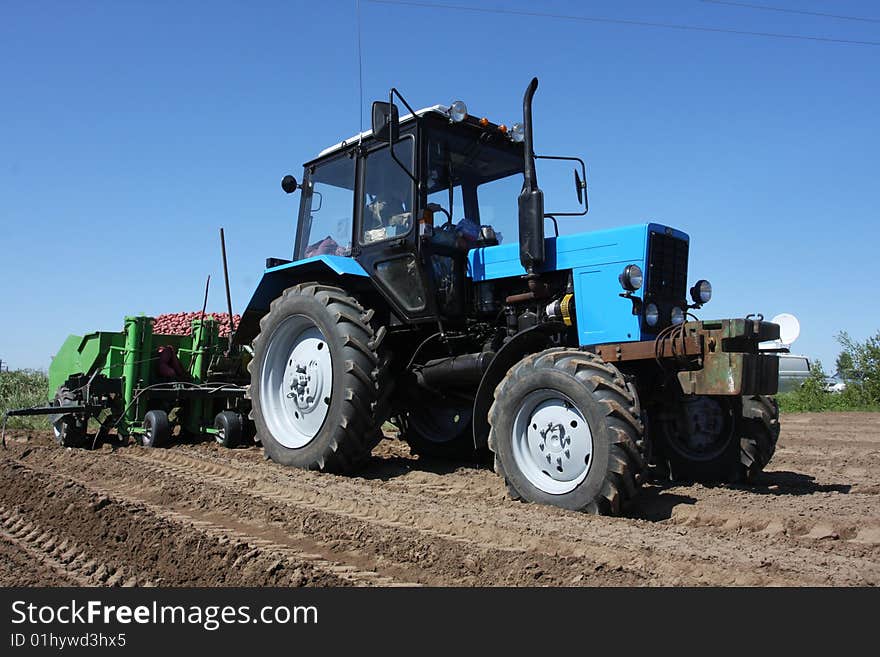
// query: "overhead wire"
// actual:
[[621, 21], [786, 10]]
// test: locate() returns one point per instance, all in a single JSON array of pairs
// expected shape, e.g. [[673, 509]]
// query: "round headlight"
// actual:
[[631, 278], [517, 132], [652, 315], [677, 315], [701, 292], [457, 111]]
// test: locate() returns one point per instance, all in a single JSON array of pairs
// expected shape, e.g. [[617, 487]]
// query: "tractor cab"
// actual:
[[409, 210]]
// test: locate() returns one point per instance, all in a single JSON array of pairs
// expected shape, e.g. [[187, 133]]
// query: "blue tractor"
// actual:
[[573, 360]]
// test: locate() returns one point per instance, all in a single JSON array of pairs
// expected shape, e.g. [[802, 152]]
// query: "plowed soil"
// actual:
[[198, 514]]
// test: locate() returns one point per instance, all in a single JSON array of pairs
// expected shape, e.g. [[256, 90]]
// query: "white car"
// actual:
[[834, 384]]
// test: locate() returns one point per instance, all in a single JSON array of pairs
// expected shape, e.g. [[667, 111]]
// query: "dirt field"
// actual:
[[201, 515]]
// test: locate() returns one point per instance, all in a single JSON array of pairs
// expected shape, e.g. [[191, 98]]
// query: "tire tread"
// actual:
[[367, 382], [607, 385]]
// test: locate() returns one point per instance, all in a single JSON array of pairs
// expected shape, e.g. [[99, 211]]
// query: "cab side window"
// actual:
[[329, 203], [387, 203]]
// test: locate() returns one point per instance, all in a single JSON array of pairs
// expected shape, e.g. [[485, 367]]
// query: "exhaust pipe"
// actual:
[[531, 199], [455, 371]]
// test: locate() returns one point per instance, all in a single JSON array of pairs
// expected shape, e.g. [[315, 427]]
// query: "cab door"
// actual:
[[386, 229]]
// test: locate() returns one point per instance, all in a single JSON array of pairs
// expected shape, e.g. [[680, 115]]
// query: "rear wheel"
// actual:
[[316, 380], [565, 431], [440, 429]]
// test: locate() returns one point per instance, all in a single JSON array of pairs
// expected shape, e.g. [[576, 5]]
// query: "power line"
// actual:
[[792, 11], [619, 21]]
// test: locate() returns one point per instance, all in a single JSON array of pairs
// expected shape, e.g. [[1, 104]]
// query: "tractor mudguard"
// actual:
[[324, 268], [531, 341]]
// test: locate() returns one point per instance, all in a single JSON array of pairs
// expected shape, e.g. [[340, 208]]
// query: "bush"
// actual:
[[20, 389]]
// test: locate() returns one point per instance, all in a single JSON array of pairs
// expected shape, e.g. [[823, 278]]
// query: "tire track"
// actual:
[[63, 556], [222, 532]]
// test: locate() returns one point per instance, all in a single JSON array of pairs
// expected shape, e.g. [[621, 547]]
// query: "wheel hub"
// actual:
[[305, 382], [296, 381], [552, 442]]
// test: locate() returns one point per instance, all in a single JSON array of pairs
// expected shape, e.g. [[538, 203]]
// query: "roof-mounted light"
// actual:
[[517, 132], [457, 111]]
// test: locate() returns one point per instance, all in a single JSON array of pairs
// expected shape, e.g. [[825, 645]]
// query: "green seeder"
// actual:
[[144, 385]]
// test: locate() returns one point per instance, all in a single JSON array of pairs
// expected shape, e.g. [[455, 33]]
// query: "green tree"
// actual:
[[844, 365], [864, 382]]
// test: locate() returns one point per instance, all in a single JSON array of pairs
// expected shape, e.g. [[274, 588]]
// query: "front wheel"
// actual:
[[565, 431], [759, 433], [716, 439]]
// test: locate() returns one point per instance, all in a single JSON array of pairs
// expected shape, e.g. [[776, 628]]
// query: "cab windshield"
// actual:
[[485, 176]]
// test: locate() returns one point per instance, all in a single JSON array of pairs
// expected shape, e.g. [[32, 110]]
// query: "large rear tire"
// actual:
[[317, 379], [565, 430]]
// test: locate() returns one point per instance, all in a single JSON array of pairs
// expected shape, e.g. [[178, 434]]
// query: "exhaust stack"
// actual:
[[531, 199]]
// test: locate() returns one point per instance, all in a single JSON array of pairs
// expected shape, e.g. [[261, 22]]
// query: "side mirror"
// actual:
[[386, 122], [289, 184]]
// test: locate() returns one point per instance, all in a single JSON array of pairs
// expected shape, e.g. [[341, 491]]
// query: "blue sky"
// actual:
[[130, 131]]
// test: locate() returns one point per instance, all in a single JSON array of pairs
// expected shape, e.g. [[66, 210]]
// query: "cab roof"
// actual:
[[436, 109]]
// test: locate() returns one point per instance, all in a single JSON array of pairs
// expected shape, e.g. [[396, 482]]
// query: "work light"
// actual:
[[517, 132], [677, 315], [631, 278], [701, 292], [457, 111]]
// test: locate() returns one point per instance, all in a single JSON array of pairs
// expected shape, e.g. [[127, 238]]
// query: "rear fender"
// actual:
[[322, 268]]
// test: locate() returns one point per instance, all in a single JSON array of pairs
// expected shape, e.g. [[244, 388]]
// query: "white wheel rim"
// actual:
[[552, 442], [296, 382]]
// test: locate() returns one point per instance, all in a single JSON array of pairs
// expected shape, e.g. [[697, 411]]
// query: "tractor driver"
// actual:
[[388, 213]]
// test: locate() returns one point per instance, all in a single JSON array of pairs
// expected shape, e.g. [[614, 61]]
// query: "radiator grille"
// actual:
[[666, 279]]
